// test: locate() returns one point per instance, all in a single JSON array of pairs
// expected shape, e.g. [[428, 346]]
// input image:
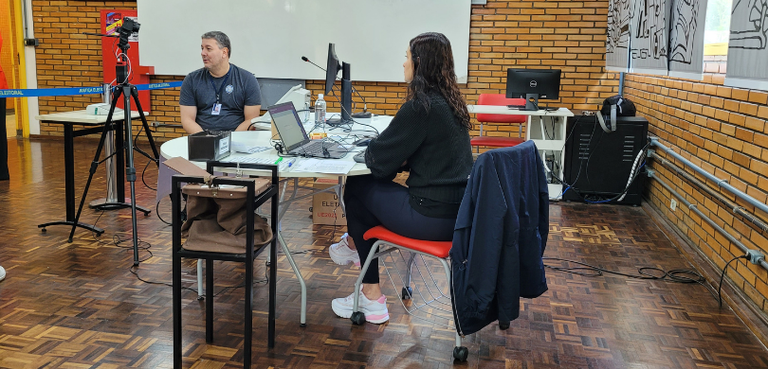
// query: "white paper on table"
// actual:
[[323, 166]]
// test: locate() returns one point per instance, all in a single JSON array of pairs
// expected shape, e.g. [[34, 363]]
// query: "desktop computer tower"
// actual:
[[598, 164]]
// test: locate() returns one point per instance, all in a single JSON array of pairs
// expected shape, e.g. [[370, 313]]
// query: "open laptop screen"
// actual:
[[288, 125]]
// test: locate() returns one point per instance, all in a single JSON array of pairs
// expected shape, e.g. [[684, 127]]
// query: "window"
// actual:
[[717, 27]]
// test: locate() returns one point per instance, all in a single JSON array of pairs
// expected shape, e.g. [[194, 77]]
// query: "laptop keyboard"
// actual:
[[313, 149]]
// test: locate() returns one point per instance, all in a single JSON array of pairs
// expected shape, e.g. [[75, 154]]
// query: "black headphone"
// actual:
[[279, 147]]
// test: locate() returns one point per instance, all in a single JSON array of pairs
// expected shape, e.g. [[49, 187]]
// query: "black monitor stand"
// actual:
[[346, 98], [531, 102]]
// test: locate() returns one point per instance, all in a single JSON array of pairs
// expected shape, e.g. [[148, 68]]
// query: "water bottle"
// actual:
[[319, 109]]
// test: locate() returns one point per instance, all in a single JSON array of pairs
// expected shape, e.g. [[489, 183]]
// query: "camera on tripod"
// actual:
[[126, 91], [128, 28]]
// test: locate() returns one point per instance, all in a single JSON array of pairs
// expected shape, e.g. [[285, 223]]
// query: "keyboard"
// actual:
[[359, 157], [315, 148]]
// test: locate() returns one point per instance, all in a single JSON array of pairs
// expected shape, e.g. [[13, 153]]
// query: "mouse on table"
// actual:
[[362, 142]]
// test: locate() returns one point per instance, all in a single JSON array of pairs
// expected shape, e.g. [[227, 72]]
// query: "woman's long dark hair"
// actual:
[[433, 70]]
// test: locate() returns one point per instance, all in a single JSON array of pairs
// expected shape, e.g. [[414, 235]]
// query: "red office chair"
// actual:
[[522, 271], [429, 302], [492, 141]]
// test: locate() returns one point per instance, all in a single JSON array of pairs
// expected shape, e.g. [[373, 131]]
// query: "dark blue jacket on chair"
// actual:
[[499, 239]]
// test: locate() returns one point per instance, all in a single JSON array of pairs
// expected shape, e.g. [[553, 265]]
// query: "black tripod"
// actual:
[[126, 90]]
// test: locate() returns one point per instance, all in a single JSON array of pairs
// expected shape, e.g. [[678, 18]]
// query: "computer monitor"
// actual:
[[331, 71], [533, 84]]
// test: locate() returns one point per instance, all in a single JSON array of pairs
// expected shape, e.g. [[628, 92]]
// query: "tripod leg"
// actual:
[[135, 95], [130, 170], [94, 163]]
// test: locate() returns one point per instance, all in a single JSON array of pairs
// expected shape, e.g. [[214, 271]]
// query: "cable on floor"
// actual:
[[134, 270], [652, 273]]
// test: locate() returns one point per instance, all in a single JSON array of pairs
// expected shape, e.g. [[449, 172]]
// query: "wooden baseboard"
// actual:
[[735, 299]]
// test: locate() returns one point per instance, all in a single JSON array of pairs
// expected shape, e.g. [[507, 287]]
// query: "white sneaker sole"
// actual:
[[370, 318]]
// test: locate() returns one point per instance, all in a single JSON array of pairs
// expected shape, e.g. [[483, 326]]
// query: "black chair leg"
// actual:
[[208, 300], [248, 317], [176, 310]]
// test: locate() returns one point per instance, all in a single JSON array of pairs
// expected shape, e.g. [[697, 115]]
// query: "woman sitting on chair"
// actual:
[[429, 136]]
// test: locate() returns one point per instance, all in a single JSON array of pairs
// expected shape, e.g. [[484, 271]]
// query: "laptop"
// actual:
[[294, 137]]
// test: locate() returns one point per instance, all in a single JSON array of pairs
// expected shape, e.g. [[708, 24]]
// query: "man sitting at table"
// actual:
[[220, 96]]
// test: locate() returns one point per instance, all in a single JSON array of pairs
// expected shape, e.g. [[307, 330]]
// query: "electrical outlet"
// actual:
[[673, 204]]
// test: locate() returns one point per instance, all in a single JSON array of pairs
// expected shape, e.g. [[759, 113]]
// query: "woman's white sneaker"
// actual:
[[341, 253], [375, 310]]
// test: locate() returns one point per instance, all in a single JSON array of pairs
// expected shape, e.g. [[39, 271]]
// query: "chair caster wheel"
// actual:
[[406, 293], [460, 353], [43, 230], [200, 298], [358, 318], [303, 325]]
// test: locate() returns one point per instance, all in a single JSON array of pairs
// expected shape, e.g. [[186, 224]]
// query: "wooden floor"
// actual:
[[77, 305]]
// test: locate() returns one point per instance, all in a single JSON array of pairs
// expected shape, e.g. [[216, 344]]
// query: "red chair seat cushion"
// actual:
[[496, 141], [438, 249]]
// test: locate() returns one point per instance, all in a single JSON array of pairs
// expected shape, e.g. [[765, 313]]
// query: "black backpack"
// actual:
[[615, 106]]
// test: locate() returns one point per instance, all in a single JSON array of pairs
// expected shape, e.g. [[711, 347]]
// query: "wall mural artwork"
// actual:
[[752, 30], [649, 37], [684, 24], [748, 45], [617, 45], [686, 37]]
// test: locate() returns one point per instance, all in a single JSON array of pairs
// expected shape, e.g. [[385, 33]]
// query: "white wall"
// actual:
[[269, 37]]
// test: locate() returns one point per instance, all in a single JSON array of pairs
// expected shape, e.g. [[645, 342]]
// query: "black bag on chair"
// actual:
[[615, 106]]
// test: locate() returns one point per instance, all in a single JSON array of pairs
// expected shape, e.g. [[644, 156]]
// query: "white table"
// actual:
[[548, 133], [179, 147], [115, 190]]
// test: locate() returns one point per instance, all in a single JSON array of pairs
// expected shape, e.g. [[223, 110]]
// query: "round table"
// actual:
[[178, 147]]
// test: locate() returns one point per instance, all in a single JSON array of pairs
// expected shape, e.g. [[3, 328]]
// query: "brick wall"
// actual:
[[724, 131], [569, 35], [66, 57]]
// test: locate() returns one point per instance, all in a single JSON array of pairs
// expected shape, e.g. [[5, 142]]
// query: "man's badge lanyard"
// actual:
[[217, 105]]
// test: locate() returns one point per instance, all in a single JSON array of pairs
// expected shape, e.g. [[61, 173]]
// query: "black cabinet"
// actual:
[[598, 164]]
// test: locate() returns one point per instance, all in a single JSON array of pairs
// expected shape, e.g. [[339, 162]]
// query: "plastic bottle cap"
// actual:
[[319, 96]]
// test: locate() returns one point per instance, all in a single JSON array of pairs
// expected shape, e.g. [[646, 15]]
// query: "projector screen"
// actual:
[[269, 37]]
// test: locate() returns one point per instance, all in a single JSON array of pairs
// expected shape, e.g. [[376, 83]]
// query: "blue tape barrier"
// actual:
[[158, 86], [30, 92]]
